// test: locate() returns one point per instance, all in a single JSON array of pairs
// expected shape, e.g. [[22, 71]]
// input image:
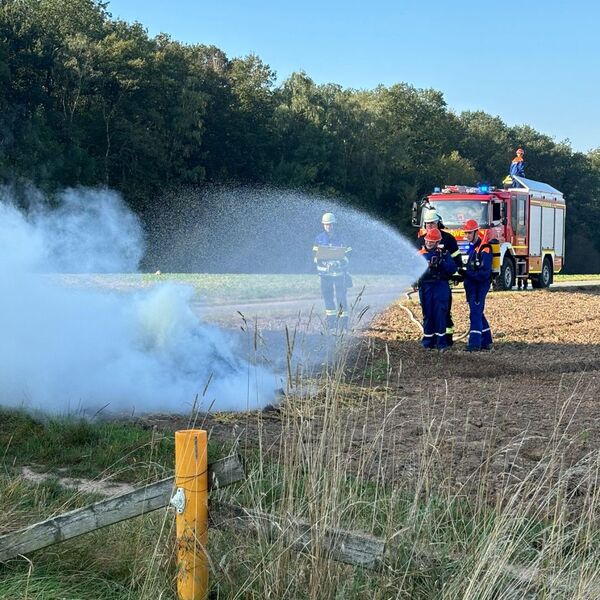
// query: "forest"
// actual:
[[89, 100]]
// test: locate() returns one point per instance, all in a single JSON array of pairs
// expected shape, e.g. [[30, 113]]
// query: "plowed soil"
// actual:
[[505, 410]]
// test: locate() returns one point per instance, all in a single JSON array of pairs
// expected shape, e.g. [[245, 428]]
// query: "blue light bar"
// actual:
[[484, 189]]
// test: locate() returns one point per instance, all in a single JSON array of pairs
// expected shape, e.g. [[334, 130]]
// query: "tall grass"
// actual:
[[487, 534]]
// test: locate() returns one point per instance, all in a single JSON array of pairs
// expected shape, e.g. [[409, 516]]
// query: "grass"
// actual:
[[577, 277], [535, 536], [79, 447], [224, 288]]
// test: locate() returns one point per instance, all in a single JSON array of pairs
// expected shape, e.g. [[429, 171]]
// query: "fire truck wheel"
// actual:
[[506, 279], [544, 279]]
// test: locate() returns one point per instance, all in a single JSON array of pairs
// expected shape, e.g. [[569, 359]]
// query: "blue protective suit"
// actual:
[[450, 244], [517, 167], [477, 275], [434, 294], [334, 280]]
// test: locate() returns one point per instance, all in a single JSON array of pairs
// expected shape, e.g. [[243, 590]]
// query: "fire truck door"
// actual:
[[519, 220]]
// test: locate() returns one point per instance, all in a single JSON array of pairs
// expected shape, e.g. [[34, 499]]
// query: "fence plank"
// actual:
[[108, 512], [350, 547]]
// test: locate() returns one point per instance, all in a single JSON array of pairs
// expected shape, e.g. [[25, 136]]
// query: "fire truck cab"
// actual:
[[524, 225]]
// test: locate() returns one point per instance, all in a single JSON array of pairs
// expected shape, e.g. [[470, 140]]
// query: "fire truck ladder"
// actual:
[[521, 267]]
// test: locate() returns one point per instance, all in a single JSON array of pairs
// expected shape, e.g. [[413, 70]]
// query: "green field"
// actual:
[[577, 277], [217, 288]]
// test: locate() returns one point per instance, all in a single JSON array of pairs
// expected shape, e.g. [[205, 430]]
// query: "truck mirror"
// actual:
[[415, 211]]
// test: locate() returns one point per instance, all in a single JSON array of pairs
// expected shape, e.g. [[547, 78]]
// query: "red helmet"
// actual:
[[471, 225], [433, 235], [520, 150]]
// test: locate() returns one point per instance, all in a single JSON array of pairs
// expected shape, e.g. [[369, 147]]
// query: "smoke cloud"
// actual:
[[67, 347]]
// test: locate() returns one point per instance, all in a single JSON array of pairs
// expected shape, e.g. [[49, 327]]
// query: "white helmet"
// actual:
[[328, 219], [431, 216]]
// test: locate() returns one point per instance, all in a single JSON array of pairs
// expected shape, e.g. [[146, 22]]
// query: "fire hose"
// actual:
[[416, 321]]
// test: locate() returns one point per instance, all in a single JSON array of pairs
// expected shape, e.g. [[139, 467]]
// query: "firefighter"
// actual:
[[517, 166], [434, 291], [333, 274], [431, 220], [477, 274]]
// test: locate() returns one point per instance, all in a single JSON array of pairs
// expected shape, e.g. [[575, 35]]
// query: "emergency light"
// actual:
[[484, 189]]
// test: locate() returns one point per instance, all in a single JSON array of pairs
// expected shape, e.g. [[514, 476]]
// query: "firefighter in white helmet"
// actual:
[[330, 254], [432, 220]]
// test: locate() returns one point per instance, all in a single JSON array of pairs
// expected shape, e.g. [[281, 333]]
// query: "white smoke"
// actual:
[[65, 347]]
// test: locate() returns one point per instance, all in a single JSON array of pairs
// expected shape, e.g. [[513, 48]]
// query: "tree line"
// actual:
[[86, 99]]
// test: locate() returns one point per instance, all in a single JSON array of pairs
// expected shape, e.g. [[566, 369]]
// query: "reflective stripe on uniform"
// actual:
[[475, 331], [457, 253], [330, 313], [449, 330], [428, 335]]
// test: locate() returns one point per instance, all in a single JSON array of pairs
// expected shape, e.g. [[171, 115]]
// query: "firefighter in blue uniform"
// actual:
[[517, 166], [333, 274], [477, 273], [434, 290], [431, 220]]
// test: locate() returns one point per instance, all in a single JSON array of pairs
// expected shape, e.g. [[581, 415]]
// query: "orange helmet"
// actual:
[[471, 225], [433, 235]]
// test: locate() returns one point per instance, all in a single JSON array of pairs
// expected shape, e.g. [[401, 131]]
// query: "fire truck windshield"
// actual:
[[455, 213]]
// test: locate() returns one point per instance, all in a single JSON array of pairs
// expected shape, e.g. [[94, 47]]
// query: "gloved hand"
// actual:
[[459, 276]]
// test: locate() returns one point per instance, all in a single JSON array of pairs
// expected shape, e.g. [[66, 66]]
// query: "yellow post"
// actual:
[[191, 502]]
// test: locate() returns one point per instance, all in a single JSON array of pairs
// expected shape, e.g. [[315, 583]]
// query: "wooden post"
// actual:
[[191, 503]]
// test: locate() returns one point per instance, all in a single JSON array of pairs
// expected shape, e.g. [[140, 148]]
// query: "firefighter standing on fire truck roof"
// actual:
[[333, 274], [431, 220], [517, 166], [477, 274], [434, 291]]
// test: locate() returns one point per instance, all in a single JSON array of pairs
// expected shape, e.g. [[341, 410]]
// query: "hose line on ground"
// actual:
[[416, 321]]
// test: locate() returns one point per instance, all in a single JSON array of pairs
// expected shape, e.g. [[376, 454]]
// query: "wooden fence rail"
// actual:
[[108, 512], [345, 546]]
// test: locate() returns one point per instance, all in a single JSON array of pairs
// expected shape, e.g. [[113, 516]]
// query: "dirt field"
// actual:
[[503, 411]]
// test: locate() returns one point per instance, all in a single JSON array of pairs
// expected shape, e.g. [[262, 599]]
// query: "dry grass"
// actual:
[[450, 534]]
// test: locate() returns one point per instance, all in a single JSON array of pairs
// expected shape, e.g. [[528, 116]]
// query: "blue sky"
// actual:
[[531, 62]]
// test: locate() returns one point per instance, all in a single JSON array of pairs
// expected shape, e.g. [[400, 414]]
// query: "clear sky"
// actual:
[[534, 62]]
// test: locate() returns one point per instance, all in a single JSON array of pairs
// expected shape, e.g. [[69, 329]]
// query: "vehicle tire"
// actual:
[[545, 278], [506, 279]]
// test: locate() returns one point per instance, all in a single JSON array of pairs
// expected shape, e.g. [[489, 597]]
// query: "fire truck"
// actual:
[[524, 225]]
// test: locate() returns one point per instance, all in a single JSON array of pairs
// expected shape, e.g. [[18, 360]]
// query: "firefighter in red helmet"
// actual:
[[477, 274], [434, 291], [432, 220]]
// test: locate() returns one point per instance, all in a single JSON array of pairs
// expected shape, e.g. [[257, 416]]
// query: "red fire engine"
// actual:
[[524, 224]]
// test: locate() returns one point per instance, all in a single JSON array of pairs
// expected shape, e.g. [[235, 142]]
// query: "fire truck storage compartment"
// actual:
[[535, 231], [547, 227], [546, 230], [559, 230]]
